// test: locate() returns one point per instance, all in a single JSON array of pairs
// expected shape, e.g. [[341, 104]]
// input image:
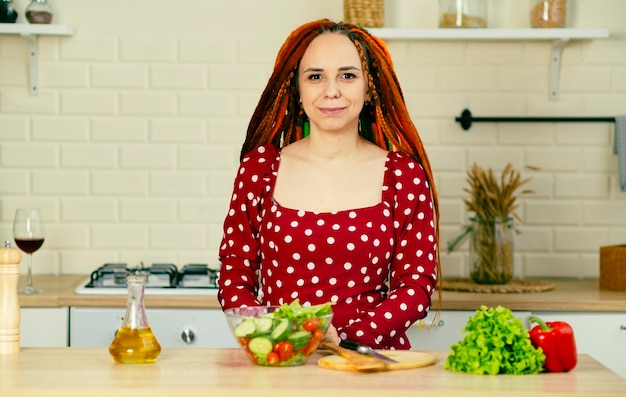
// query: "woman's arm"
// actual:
[[413, 267], [239, 251]]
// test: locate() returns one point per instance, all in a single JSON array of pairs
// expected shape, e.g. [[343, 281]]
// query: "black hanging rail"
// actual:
[[466, 119]]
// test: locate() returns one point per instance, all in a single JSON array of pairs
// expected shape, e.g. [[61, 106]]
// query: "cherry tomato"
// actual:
[[311, 325], [285, 350], [276, 347], [244, 341], [318, 334], [272, 358]]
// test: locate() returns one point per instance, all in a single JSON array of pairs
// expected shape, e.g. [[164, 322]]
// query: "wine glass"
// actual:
[[29, 235]]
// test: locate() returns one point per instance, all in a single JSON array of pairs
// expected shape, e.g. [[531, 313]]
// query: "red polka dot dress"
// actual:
[[377, 264]]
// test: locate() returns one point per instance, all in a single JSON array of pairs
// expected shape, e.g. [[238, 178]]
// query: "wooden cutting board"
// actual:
[[407, 359]]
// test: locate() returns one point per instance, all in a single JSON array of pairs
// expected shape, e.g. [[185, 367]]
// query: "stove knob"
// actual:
[[188, 336]]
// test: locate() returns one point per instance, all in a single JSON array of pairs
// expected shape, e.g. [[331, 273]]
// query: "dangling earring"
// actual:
[[306, 128]]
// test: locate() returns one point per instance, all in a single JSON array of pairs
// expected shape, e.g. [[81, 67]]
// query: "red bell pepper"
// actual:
[[556, 339]]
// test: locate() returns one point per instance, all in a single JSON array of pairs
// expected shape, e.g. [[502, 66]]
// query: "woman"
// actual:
[[334, 199]]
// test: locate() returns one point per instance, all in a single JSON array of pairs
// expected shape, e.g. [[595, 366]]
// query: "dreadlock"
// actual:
[[385, 120]]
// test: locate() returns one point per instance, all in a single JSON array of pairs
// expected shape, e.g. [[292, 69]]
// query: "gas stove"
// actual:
[[162, 279]]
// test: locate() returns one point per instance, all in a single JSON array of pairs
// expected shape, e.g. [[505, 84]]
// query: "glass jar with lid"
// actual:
[[462, 13], [39, 11], [548, 13]]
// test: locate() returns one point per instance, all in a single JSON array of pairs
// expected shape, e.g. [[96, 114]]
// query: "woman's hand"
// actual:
[[331, 335]]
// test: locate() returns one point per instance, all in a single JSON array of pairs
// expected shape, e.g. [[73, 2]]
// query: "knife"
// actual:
[[363, 349]]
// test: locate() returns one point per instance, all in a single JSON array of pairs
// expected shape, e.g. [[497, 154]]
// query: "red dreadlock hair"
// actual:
[[279, 119]]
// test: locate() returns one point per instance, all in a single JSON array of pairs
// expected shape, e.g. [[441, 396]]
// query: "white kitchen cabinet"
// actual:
[[601, 335], [44, 327], [448, 329], [96, 327]]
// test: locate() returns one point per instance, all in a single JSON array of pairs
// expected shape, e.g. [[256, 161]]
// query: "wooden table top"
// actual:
[[568, 295], [91, 372]]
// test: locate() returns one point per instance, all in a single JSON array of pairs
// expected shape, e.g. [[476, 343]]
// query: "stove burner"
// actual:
[[160, 275]]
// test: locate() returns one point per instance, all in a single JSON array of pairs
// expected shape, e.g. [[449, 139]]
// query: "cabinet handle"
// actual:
[[188, 336], [425, 324]]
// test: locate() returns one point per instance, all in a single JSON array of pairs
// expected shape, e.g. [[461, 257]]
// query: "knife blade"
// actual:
[[364, 349]]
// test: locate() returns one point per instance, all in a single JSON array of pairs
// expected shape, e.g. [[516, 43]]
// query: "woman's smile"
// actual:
[[332, 111]]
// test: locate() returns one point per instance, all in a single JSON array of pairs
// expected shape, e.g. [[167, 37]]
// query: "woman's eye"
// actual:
[[348, 76], [314, 77]]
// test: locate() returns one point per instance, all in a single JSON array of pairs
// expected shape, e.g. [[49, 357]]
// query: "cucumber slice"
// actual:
[[260, 346], [263, 325], [282, 330], [299, 339], [245, 329]]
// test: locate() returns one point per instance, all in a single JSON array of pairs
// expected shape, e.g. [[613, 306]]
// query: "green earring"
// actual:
[[306, 129]]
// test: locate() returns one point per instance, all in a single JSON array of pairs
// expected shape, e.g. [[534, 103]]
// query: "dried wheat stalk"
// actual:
[[493, 201], [492, 197]]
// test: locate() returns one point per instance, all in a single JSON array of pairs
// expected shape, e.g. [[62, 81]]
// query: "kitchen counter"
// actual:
[[58, 291], [91, 372], [568, 295]]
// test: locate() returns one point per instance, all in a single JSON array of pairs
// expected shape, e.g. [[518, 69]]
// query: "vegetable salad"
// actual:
[[286, 336]]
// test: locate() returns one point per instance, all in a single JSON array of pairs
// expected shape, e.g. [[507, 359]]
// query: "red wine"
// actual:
[[29, 245]]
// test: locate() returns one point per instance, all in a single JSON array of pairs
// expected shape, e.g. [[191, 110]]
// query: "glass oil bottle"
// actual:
[[134, 341]]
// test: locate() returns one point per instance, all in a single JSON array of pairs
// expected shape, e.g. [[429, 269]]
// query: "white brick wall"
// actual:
[[131, 146]]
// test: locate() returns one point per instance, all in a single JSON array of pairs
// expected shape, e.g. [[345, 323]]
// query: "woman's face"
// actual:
[[332, 86]]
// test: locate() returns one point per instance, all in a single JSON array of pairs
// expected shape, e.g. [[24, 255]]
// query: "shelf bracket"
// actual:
[[33, 62], [555, 67]]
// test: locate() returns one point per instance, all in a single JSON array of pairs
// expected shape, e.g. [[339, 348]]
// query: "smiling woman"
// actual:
[[334, 199], [332, 86], [333, 90]]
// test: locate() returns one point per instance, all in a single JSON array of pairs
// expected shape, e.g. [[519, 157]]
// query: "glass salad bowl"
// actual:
[[279, 336]]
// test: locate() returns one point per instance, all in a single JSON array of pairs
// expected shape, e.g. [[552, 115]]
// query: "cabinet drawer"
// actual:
[[44, 327], [171, 327]]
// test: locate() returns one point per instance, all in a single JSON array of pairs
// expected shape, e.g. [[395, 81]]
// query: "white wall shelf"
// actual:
[[558, 37], [32, 33]]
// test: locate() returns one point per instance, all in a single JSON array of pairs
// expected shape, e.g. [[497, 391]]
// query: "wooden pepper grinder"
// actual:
[[9, 305]]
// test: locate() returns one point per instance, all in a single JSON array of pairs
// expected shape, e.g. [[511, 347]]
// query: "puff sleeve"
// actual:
[[239, 252]]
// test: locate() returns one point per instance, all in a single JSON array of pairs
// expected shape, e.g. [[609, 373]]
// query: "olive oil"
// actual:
[[134, 342], [135, 346]]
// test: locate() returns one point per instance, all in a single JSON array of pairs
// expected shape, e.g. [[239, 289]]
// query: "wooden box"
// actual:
[[613, 267]]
